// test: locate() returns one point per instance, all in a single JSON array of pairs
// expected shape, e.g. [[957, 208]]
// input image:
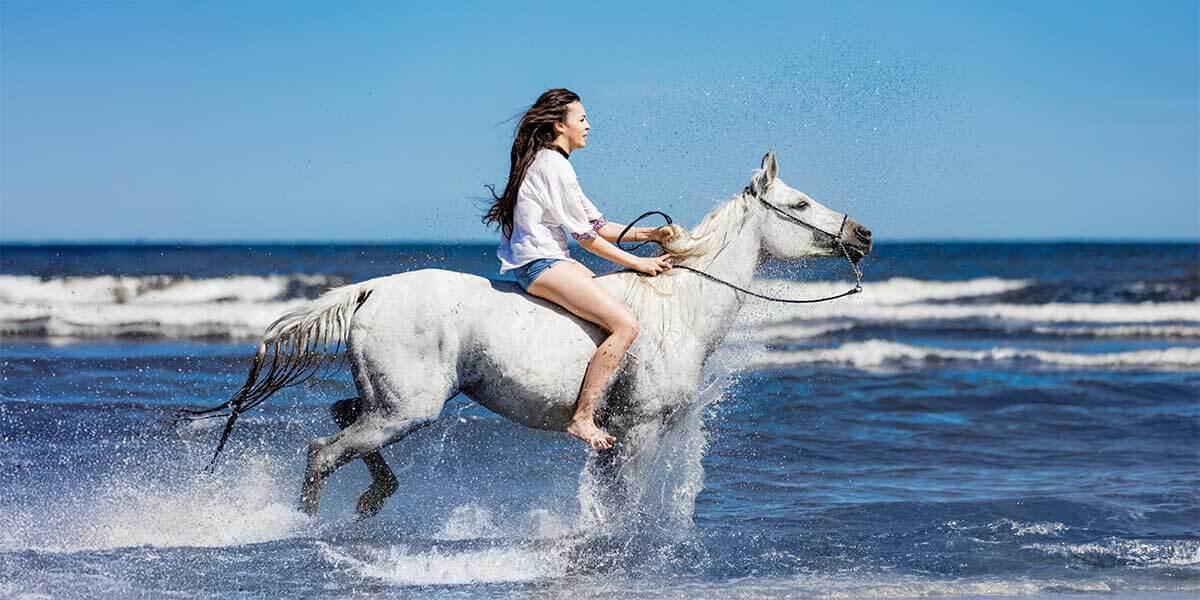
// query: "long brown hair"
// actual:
[[534, 131]]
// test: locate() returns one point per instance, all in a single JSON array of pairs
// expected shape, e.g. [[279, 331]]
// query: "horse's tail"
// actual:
[[299, 345]]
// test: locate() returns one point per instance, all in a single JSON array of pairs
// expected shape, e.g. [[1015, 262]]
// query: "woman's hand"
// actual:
[[661, 234], [653, 265]]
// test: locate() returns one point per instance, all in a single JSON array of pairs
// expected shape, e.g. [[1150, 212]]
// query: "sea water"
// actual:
[[984, 420]]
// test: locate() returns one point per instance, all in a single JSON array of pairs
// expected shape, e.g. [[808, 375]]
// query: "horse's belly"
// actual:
[[534, 394], [530, 411], [529, 373]]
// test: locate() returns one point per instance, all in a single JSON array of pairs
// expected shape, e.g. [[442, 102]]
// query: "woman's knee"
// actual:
[[626, 325]]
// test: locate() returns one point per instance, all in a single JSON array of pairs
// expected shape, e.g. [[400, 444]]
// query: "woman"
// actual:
[[541, 199]]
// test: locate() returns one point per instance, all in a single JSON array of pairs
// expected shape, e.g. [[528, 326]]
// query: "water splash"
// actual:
[[248, 504]]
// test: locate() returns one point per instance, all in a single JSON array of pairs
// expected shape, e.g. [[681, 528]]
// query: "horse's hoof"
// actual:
[[308, 505], [366, 510], [372, 501]]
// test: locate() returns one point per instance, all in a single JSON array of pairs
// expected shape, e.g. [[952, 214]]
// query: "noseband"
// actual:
[[838, 239]]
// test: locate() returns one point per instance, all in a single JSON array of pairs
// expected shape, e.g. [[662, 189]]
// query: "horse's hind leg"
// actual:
[[365, 436], [383, 480], [403, 382]]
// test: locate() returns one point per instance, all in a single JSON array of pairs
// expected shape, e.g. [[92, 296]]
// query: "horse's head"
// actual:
[[795, 226]]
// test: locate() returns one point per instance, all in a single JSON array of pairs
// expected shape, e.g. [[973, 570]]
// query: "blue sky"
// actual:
[[380, 122]]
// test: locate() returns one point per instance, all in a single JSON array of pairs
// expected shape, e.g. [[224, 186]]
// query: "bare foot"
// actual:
[[591, 435]]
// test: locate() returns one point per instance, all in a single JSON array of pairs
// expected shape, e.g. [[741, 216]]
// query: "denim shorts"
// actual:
[[529, 271]]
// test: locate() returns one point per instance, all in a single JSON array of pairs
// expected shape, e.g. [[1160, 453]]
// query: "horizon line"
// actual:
[[482, 241]]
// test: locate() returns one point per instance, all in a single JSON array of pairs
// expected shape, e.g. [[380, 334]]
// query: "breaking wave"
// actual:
[[160, 289], [171, 307], [155, 306], [878, 353], [1123, 331], [864, 309], [1140, 553]]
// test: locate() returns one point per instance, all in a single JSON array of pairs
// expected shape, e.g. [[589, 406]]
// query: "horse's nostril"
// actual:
[[864, 233]]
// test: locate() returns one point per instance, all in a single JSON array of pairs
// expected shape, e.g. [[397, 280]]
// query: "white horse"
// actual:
[[416, 339]]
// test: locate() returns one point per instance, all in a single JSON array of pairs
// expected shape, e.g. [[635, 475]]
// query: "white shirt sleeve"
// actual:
[[595, 218], [568, 206]]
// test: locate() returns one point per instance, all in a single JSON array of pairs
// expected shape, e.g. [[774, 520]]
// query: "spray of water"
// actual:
[[245, 505]]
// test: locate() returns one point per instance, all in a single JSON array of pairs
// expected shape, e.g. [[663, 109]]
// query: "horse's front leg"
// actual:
[[613, 478]]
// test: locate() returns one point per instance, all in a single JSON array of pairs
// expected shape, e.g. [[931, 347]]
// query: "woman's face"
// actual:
[[574, 130]]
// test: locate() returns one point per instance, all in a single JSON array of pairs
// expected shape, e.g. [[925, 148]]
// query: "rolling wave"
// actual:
[[1141, 553], [954, 307], [879, 353], [168, 307], [221, 320], [897, 290], [159, 289], [155, 306], [803, 332], [1121, 331], [865, 310]]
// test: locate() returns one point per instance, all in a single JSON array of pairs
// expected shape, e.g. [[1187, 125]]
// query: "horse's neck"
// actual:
[[718, 304]]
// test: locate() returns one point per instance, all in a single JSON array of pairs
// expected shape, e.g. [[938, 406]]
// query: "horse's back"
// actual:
[[518, 355], [432, 288]]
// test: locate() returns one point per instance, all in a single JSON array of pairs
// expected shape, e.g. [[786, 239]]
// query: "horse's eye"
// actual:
[[800, 205]]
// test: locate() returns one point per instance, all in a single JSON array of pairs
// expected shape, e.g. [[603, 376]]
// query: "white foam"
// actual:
[[474, 522], [152, 289], [897, 290], [248, 505], [863, 309], [241, 320], [898, 301], [801, 332], [152, 306], [402, 566], [875, 353], [1160, 331], [241, 307], [1021, 528], [1146, 553], [527, 547]]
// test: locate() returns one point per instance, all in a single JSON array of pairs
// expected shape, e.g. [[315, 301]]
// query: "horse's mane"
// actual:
[[712, 233], [664, 297]]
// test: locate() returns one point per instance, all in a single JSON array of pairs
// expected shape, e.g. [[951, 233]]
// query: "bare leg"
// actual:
[[600, 369], [570, 286]]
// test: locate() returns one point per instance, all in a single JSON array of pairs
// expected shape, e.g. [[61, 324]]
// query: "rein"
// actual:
[[837, 238]]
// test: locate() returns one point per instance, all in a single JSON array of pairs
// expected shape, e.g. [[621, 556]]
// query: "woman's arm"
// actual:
[[611, 230], [601, 247]]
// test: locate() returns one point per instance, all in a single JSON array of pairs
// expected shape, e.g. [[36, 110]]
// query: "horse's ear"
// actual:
[[765, 177]]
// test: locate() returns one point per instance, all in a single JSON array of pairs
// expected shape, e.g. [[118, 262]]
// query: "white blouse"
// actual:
[[548, 201]]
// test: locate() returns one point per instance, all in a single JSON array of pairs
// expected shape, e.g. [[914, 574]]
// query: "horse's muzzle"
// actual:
[[856, 239]]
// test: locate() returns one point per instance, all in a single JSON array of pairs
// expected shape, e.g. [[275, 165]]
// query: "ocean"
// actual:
[[984, 420]]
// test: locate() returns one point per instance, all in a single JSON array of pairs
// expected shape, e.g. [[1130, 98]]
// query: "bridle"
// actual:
[[786, 215]]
